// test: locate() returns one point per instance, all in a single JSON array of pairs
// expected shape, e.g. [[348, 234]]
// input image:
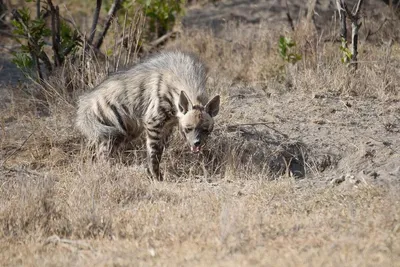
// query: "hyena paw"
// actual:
[[150, 175]]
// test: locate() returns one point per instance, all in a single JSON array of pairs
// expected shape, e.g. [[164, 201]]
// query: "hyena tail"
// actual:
[[95, 125]]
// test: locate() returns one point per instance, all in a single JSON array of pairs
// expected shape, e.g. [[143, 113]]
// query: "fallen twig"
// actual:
[[235, 126], [17, 149], [289, 17]]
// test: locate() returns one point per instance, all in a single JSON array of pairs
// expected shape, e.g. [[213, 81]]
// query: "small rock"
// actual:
[[152, 252]]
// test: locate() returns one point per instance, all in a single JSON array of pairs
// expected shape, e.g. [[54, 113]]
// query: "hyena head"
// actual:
[[197, 122]]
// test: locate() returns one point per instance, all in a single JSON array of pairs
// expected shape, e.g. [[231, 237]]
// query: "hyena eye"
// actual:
[[187, 130]]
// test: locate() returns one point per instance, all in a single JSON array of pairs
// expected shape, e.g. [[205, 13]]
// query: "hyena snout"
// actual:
[[196, 139], [195, 146], [197, 143]]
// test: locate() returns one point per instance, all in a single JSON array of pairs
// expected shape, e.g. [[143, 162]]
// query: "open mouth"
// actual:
[[195, 149]]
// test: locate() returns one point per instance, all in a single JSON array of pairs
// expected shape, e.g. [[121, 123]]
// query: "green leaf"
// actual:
[[22, 60]]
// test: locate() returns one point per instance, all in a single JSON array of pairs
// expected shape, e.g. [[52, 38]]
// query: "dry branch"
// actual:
[[111, 13], [37, 9], [55, 32], [288, 16], [17, 149], [95, 20], [370, 32]]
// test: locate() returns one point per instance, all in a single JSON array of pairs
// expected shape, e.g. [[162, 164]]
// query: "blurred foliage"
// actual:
[[285, 48], [161, 15]]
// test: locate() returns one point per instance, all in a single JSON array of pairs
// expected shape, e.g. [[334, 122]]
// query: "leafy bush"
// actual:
[[48, 39], [33, 34], [162, 14]]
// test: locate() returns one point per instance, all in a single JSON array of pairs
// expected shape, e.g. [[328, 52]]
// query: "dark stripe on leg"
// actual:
[[154, 130], [103, 119], [119, 118]]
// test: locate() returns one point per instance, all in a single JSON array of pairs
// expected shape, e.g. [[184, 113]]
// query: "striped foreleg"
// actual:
[[155, 147]]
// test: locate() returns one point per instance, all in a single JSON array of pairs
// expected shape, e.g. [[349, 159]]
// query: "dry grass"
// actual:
[[230, 207], [107, 216]]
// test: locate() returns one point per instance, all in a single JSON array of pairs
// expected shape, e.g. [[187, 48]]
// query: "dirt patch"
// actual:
[[356, 137]]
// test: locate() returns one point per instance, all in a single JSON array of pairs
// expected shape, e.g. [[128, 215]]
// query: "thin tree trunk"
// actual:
[[37, 9], [111, 13], [343, 27], [355, 26], [55, 33], [95, 20]]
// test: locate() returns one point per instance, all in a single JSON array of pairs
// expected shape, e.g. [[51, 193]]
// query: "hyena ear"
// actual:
[[184, 103], [212, 107]]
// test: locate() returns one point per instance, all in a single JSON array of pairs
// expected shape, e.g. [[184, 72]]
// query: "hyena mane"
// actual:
[[163, 91]]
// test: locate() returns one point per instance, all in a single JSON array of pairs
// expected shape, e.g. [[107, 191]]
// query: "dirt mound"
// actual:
[[348, 136]]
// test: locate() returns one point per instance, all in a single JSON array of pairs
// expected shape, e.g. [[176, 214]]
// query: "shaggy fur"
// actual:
[[152, 97]]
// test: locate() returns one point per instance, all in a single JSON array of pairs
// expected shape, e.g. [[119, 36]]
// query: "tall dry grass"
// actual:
[[242, 55]]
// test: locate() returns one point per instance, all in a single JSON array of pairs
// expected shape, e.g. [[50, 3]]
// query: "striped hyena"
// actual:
[[165, 90]]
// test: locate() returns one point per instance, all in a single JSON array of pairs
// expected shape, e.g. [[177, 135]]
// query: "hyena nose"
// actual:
[[197, 143]]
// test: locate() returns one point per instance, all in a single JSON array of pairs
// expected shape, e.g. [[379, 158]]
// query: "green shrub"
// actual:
[[161, 14], [285, 46], [34, 36]]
